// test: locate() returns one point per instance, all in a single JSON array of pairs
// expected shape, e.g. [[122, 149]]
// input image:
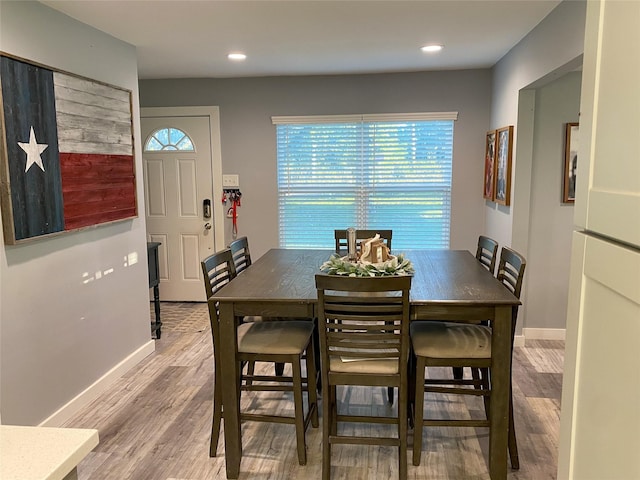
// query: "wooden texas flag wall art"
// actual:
[[66, 152]]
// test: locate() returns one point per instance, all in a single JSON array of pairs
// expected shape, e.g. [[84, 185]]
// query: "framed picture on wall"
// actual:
[[504, 144], [489, 165], [570, 162], [66, 151]]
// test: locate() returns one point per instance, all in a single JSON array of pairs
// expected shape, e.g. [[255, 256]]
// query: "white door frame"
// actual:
[[216, 157]]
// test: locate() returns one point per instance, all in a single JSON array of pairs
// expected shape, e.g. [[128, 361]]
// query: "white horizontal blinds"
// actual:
[[408, 181], [372, 174], [319, 174]]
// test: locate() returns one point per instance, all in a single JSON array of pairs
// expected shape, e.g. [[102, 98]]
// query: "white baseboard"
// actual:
[[544, 333], [99, 386], [538, 334]]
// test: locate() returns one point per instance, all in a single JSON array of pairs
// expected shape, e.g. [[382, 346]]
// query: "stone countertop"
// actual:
[[42, 453]]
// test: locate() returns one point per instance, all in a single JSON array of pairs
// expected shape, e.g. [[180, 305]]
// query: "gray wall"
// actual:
[[64, 331], [549, 51], [248, 136], [551, 221]]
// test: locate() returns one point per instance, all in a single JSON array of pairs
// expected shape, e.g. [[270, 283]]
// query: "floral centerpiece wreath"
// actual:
[[337, 265]]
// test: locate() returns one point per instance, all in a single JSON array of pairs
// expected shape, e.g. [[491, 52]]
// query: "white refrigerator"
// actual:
[[600, 413]]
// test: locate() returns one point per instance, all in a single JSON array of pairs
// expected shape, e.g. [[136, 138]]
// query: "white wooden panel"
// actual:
[[612, 65], [607, 418], [600, 416], [616, 214], [187, 188], [92, 117], [101, 112], [615, 267], [95, 89], [191, 269], [154, 180], [163, 261]]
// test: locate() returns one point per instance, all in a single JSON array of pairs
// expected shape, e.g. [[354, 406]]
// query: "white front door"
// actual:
[[178, 182]]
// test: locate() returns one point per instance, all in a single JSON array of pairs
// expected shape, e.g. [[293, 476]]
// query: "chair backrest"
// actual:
[[364, 318], [241, 254], [511, 270], [487, 252], [341, 238], [218, 270]]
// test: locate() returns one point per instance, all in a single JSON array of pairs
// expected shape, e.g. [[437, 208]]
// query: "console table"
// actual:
[[154, 282]]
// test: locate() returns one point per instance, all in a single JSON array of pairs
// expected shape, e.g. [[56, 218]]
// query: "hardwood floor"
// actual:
[[155, 421]]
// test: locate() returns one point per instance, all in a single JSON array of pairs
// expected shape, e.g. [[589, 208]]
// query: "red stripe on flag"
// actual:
[[97, 188], [99, 218]]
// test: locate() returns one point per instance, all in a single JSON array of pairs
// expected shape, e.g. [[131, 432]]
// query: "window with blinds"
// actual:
[[368, 172]]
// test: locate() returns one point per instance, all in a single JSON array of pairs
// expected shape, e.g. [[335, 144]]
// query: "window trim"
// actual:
[[367, 117], [164, 148]]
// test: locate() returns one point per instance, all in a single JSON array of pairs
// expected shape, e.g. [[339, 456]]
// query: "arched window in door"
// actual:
[[168, 139]]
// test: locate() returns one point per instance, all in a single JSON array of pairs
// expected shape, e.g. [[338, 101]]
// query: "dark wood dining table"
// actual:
[[447, 284]]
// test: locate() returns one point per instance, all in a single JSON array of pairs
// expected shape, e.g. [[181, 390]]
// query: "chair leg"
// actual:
[[312, 387], [251, 367], [411, 390], [217, 415], [475, 374], [458, 372], [299, 411], [419, 412], [334, 409], [513, 444], [327, 409], [316, 348], [486, 384], [390, 395], [278, 368], [402, 432]]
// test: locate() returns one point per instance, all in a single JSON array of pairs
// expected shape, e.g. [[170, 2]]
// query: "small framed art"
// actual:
[[570, 162], [489, 165], [504, 145]]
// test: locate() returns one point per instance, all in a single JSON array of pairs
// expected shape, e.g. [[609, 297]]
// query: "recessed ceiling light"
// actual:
[[237, 56], [431, 48]]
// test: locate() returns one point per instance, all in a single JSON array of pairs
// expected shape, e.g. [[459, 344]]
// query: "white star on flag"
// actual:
[[33, 149]]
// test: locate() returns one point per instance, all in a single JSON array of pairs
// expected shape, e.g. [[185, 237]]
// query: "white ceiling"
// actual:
[[187, 38]]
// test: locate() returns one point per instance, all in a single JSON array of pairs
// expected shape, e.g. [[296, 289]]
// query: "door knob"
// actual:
[[207, 226]]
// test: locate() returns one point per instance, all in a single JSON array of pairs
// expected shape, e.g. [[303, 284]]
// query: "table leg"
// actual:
[[230, 397], [500, 388]]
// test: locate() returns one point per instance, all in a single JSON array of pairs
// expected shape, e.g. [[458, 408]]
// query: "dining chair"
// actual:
[[241, 254], [341, 238], [486, 254], [281, 342], [364, 330], [217, 270], [341, 248], [242, 260], [449, 344]]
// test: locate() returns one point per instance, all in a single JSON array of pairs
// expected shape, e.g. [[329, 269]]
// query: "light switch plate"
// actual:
[[231, 181]]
